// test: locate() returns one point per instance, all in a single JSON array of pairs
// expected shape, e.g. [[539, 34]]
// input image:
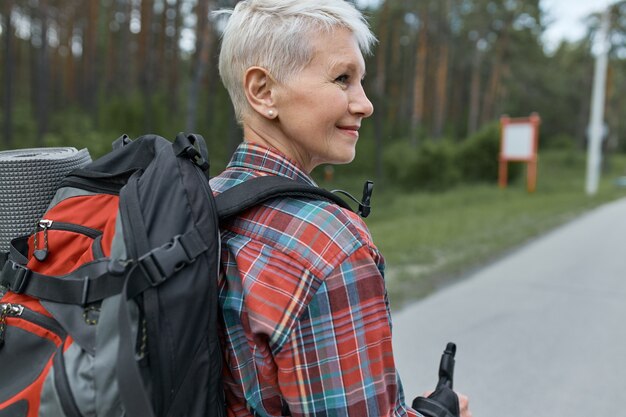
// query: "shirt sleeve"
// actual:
[[338, 358]]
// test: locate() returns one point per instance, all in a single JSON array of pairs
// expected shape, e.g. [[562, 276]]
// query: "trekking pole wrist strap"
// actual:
[[432, 408]]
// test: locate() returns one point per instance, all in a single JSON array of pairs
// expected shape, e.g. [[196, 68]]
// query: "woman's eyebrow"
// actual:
[[347, 66]]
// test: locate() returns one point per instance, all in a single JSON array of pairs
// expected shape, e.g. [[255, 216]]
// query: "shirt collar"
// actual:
[[260, 158]]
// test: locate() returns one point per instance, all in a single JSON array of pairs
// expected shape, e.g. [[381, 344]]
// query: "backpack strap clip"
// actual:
[[15, 276], [164, 261]]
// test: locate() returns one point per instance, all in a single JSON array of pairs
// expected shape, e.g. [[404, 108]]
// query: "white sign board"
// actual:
[[518, 141]]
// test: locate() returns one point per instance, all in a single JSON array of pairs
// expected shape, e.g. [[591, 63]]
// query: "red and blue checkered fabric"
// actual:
[[303, 298]]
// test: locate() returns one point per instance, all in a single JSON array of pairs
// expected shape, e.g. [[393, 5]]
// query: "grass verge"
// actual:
[[431, 239]]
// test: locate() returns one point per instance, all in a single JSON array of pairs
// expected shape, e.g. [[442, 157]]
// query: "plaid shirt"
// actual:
[[306, 320]]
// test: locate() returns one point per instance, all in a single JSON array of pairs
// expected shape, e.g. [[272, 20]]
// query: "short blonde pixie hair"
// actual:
[[275, 34]]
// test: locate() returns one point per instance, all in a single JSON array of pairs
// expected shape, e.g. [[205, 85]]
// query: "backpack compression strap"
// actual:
[[101, 278], [86, 284], [255, 191]]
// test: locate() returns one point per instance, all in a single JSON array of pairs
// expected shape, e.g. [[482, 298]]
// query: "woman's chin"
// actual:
[[344, 158]]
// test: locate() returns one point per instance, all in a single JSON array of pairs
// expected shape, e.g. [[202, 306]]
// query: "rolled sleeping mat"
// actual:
[[28, 181]]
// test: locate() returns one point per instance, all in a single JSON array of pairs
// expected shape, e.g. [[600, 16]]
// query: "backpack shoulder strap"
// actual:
[[258, 190]]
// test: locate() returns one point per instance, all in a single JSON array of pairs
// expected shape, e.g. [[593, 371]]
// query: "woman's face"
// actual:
[[320, 109]]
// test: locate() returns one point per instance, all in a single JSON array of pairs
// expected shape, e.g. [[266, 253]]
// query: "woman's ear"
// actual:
[[259, 88]]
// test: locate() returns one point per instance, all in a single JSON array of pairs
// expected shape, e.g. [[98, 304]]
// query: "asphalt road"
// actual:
[[540, 333]]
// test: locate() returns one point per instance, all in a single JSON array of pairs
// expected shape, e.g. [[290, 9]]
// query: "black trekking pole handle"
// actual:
[[446, 366], [443, 402]]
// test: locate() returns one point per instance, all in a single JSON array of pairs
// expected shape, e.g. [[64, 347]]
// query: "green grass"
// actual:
[[431, 239]]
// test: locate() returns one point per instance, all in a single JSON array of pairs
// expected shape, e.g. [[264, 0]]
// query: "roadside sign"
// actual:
[[519, 138]]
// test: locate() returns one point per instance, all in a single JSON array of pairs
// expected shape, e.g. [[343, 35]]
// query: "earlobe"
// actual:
[[258, 86]]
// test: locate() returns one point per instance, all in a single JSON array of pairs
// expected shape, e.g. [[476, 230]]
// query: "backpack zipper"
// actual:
[[46, 224], [19, 311], [8, 310], [70, 227]]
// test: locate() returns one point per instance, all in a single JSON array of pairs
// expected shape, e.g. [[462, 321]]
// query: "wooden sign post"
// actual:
[[519, 138]]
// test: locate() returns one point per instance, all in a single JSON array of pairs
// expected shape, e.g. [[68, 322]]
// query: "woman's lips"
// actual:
[[350, 130]]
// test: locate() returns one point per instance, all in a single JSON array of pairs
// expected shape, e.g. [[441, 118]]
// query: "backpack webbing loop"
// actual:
[[185, 146]]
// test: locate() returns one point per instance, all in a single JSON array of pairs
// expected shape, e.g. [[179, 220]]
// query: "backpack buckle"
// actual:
[[164, 261], [15, 276], [185, 146], [194, 156]]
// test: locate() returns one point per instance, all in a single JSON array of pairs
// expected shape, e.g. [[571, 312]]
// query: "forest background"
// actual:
[[81, 73]]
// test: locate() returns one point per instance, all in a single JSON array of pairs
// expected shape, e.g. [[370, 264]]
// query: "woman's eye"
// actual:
[[342, 79]]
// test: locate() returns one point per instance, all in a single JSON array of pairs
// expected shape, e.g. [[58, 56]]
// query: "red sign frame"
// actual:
[[529, 154]]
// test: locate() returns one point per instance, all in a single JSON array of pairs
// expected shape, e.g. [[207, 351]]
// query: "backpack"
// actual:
[[111, 307]]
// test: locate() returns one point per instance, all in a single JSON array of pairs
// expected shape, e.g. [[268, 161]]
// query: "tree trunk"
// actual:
[[442, 91], [110, 62], [384, 27], [125, 69], [146, 10], [200, 63], [160, 48], [9, 65], [441, 84], [71, 65], [419, 85], [212, 79], [90, 91], [42, 77], [174, 61], [393, 93], [146, 59], [493, 88], [474, 99]]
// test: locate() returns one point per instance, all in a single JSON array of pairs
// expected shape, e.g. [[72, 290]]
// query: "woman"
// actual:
[[306, 320]]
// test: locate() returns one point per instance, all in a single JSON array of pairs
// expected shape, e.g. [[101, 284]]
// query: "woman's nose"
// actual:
[[360, 104]]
